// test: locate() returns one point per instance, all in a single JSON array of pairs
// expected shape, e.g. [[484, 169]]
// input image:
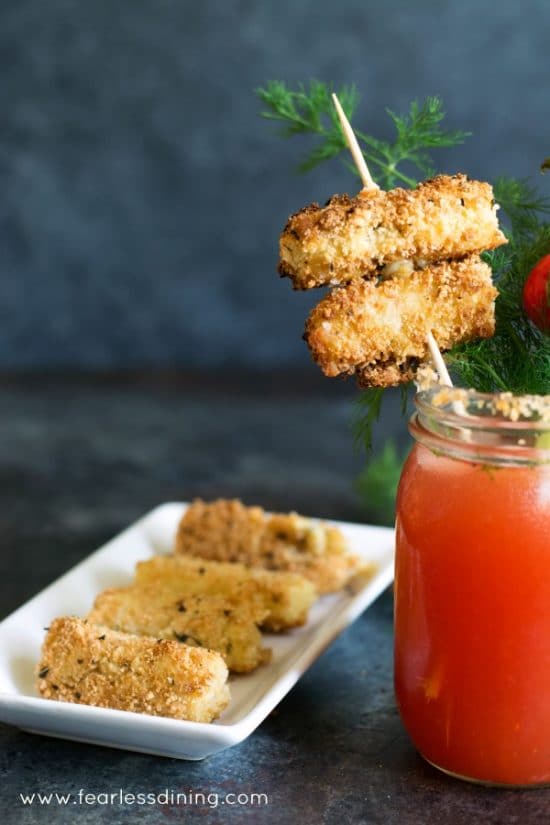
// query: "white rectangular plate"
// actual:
[[253, 695]]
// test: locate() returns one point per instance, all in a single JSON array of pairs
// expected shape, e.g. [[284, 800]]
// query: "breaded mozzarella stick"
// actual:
[[227, 530], [215, 622], [278, 600], [443, 218], [378, 331], [92, 665]]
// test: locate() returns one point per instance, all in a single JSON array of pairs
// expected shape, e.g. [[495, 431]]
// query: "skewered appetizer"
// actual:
[[445, 218], [405, 264], [378, 331]]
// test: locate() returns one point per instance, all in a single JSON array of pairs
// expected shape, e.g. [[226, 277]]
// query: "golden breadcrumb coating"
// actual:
[[212, 621], [378, 331], [445, 217], [227, 530], [276, 600], [93, 665]]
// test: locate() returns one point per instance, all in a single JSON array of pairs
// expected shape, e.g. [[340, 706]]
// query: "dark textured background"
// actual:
[[141, 194]]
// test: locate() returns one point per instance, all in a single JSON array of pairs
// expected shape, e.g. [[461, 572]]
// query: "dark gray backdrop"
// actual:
[[141, 196]]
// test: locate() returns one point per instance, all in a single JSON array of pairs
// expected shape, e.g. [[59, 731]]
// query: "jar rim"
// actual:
[[483, 409], [494, 428]]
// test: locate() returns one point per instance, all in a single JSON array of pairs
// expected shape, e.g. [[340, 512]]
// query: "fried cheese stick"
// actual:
[[443, 218], [378, 331], [212, 621], [282, 599], [227, 530], [92, 665]]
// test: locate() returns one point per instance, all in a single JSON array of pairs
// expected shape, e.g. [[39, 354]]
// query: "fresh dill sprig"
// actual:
[[311, 111], [417, 131]]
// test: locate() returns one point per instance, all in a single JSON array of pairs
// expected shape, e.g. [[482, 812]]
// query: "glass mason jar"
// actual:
[[472, 588]]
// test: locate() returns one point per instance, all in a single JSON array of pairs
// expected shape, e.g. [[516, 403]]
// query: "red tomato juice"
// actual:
[[472, 616]]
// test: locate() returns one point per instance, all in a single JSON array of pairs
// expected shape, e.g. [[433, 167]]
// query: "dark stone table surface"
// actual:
[[81, 457]]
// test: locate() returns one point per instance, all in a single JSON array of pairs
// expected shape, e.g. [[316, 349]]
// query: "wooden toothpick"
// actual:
[[438, 360], [368, 183], [353, 146]]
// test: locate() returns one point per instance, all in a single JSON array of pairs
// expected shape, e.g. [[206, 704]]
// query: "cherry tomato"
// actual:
[[536, 295]]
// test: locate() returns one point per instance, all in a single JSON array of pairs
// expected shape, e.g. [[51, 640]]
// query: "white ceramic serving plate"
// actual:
[[253, 695]]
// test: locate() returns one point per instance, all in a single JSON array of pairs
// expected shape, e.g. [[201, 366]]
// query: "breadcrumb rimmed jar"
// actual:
[[472, 586]]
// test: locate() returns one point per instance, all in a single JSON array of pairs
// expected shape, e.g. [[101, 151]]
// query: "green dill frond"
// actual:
[[376, 485], [417, 131], [305, 109], [365, 415], [367, 409], [422, 126], [521, 203], [311, 111], [330, 148]]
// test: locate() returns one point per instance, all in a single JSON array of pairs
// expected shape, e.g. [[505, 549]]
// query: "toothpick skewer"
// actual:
[[353, 146], [368, 183], [438, 360]]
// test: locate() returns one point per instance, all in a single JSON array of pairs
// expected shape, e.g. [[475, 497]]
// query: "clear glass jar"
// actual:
[[472, 590]]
